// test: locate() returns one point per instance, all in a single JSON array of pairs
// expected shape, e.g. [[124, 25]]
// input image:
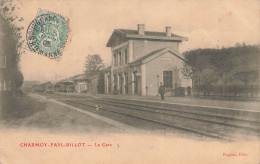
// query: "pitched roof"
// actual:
[[149, 35], [159, 51], [146, 56], [87, 77], [68, 80], [80, 77]]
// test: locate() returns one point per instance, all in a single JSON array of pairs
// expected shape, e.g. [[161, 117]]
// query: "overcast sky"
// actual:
[[206, 24]]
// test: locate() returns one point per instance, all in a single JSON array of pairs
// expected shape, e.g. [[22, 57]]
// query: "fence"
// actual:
[[231, 90]]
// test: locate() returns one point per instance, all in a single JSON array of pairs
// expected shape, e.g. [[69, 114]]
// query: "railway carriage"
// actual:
[[43, 88]]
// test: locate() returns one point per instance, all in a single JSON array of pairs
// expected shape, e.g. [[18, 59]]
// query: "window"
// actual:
[[126, 83], [2, 61], [120, 58], [115, 87], [115, 59], [109, 83], [135, 83], [167, 79], [126, 56]]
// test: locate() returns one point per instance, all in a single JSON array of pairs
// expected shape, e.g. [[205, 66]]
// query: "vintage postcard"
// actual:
[[129, 81]]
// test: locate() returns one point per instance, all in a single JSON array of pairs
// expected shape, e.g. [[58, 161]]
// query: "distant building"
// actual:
[[66, 85], [93, 84], [81, 83], [142, 59], [86, 84], [90, 84]]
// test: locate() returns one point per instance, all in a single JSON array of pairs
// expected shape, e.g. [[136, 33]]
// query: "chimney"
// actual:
[[168, 31], [140, 29]]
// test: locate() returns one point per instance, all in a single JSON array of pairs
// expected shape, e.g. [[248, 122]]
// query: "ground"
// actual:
[[57, 123], [35, 112]]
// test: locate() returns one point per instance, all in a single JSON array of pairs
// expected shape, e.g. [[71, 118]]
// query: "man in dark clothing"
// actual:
[[162, 91]]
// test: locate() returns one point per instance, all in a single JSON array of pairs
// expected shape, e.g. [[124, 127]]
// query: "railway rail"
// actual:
[[252, 125], [109, 106], [157, 122], [218, 126]]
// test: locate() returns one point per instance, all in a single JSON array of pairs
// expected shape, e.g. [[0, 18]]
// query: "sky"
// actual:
[[207, 24]]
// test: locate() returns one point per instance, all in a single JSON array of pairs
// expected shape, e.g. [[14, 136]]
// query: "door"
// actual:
[[81, 87], [120, 84], [135, 83], [126, 83]]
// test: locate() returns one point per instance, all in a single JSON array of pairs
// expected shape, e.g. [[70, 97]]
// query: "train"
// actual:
[[64, 87], [43, 88], [50, 88]]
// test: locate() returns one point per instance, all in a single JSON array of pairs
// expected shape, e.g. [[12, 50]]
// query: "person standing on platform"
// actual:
[[162, 90]]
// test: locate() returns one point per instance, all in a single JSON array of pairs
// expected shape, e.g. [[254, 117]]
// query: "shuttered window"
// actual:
[[115, 59], [126, 56], [120, 58]]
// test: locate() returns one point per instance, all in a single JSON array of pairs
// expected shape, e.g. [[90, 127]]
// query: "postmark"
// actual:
[[47, 34]]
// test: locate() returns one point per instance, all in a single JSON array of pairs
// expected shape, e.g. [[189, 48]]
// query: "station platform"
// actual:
[[196, 101]]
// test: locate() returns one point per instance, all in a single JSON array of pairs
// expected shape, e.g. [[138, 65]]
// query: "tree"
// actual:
[[11, 44], [14, 31], [246, 76], [17, 81], [237, 44], [208, 79], [223, 66], [94, 64], [191, 66], [208, 66]]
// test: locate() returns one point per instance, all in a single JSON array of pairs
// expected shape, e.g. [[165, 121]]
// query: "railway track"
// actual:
[[92, 103], [252, 125], [204, 124], [157, 122]]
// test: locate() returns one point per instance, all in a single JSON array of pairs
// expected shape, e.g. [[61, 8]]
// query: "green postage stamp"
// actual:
[[47, 34]]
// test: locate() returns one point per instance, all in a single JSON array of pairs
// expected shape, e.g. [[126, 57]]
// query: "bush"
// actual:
[[180, 91], [188, 91], [232, 90], [85, 91]]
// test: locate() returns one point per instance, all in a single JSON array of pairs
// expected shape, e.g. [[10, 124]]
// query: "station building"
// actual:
[[142, 59], [86, 84], [81, 83]]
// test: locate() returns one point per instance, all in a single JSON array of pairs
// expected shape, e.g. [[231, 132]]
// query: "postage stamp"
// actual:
[[47, 34]]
